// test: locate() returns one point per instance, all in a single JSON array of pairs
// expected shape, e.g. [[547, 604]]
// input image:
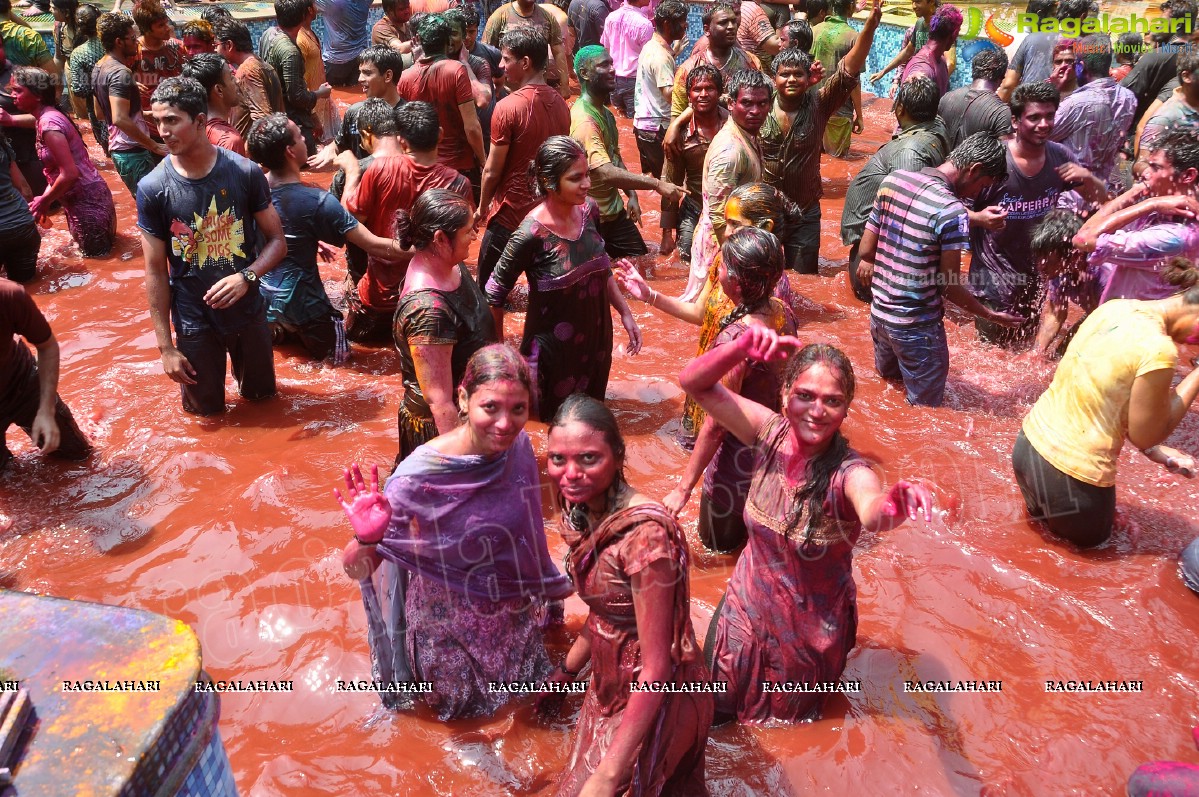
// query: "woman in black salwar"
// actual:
[[568, 328]]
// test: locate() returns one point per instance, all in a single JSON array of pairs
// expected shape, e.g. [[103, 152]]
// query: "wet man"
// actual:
[[626, 31], [594, 127], [278, 48], [160, 55], [527, 13], [721, 52], [202, 212], [833, 39], [258, 83], [976, 108], [930, 59], [214, 74], [379, 70], [655, 83]]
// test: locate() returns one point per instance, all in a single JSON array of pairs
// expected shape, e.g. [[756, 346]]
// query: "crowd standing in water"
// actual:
[[1077, 197]]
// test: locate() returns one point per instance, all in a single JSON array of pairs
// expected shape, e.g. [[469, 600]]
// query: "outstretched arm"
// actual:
[[883, 511]]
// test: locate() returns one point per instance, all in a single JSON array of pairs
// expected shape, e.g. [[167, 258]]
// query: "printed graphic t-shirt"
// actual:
[[208, 226]]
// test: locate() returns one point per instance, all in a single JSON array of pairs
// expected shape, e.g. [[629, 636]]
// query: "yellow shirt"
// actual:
[[1079, 424]]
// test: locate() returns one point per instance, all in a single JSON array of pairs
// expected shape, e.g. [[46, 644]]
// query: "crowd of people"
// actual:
[[1070, 178]]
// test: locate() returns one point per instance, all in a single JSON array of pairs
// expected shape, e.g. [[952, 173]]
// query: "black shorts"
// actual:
[[19, 403], [319, 338], [345, 74], [18, 252], [622, 238], [649, 147], [495, 240], [1081, 513], [364, 324], [249, 349]]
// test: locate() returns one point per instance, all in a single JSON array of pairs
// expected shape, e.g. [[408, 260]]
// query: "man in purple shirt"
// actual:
[[1134, 236], [930, 59], [1093, 121]]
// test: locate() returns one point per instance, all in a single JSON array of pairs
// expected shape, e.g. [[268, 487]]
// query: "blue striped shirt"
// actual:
[[916, 216]]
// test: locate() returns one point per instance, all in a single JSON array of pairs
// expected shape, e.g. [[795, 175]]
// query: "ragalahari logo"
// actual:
[[1072, 27], [997, 30]]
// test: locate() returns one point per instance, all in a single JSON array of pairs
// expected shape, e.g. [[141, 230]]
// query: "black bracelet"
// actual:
[[567, 672], [361, 541]]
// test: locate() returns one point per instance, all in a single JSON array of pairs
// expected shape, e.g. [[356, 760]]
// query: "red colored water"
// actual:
[[230, 525]]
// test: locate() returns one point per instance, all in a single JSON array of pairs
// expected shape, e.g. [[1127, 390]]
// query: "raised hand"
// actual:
[[765, 345], [631, 281], [365, 506], [909, 499]]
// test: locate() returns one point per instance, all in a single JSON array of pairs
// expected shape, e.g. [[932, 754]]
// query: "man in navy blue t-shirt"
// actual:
[[203, 212]]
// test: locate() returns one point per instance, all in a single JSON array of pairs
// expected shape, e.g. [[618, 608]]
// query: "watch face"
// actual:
[[249, 275]]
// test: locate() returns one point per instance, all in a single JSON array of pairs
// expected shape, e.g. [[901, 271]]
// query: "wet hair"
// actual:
[[708, 71], [1188, 61], [414, 23], [595, 415], [1054, 234], [1181, 147], [752, 79], [554, 157], [237, 34], [455, 18], [669, 11], [378, 118], [1182, 274], [68, 7], [201, 30], [1042, 8], [113, 27], [1095, 53], [37, 81], [417, 123], [184, 93], [147, 12], [841, 8], [525, 42], [268, 140], [799, 35], [434, 34], [291, 13], [919, 97], [1130, 45], [214, 15], [1042, 92], [384, 59], [473, 15], [991, 64], [586, 59], [436, 210], [821, 469], [724, 5], [1073, 9], [791, 57], [983, 149], [761, 202], [391, 6], [945, 24], [498, 362], [85, 24], [753, 259], [813, 8], [207, 68]]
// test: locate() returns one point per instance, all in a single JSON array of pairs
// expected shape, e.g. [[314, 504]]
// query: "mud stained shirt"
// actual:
[[208, 227], [151, 67]]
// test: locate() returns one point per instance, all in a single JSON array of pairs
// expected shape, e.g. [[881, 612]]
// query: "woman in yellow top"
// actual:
[[1113, 383]]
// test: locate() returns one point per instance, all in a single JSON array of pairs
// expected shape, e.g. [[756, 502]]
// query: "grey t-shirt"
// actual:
[[1034, 57], [967, 111]]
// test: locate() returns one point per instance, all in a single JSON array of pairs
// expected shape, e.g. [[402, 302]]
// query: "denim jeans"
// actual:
[[917, 354]]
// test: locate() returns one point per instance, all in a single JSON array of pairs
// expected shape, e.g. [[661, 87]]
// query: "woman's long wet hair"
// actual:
[[595, 415], [754, 260], [821, 469], [555, 156], [85, 24], [434, 211]]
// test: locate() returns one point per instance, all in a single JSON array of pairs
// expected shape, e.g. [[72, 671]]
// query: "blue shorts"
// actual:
[[917, 354]]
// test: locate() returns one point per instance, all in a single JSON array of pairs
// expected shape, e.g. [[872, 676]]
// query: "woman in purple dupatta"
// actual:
[[466, 568], [790, 611]]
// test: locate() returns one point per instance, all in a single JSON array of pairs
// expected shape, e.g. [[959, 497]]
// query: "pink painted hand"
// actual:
[[764, 345], [365, 506], [909, 499]]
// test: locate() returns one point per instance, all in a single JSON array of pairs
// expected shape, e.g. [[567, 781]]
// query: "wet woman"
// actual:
[[460, 534], [71, 177], [442, 317], [568, 326], [628, 560], [1114, 382], [751, 263], [790, 610], [751, 205]]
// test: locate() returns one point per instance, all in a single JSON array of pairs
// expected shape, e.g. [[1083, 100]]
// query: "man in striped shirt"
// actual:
[[911, 255]]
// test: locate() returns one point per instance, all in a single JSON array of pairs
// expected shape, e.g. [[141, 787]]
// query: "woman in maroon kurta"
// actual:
[[790, 612], [628, 561]]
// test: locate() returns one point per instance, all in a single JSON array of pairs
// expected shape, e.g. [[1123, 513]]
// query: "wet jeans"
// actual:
[[917, 354]]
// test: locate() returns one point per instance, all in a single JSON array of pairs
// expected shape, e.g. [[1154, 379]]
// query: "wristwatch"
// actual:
[[249, 276]]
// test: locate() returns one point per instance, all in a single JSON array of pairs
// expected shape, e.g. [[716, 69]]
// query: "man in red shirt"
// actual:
[[29, 389], [522, 121], [214, 74], [445, 84], [160, 55], [404, 143]]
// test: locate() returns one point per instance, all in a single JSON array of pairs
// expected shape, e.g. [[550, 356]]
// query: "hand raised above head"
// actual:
[[367, 509]]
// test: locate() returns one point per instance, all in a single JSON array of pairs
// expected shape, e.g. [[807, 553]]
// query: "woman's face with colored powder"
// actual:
[[581, 464], [496, 413], [575, 182], [815, 405]]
